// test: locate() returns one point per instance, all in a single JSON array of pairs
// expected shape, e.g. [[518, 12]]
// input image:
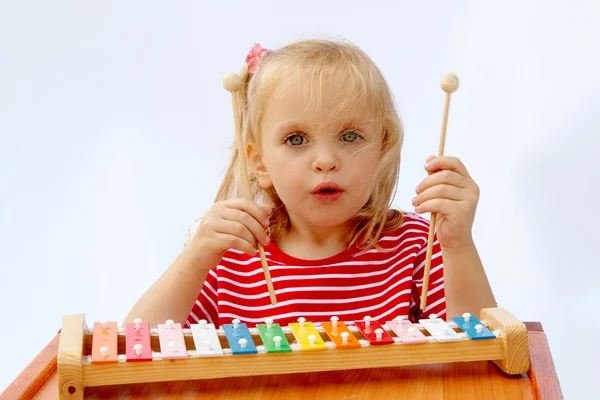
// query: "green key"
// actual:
[[273, 337]]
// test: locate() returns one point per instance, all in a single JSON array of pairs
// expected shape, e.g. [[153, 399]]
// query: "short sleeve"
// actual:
[[205, 307], [436, 298]]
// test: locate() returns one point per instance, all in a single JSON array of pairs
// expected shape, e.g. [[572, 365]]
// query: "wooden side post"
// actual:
[[514, 337], [70, 355]]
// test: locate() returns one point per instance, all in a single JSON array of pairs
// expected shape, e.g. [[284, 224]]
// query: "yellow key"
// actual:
[[306, 335]]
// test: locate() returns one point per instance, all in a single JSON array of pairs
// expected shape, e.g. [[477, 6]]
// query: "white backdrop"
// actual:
[[115, 132]]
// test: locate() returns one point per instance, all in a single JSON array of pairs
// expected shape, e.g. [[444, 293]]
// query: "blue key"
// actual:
[[468, 324], [239, 338]]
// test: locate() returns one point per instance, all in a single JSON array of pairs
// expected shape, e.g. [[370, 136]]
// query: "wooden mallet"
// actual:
[[232, 83], [449, 84]]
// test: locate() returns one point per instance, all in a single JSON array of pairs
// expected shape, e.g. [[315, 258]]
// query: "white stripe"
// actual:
[[441, 314], [215, 307], [424, 249], [307, 315], [320, 288], [422, 264], [433, 291], [432, 272], [395, 238], [319, 277], [208, 285], [435, 304], [408, 223], [311, 301], [403, 244], [205, 312], [245, 262], [259, 270], [419, 282], [243, 252], [194, 317], [391, 310]]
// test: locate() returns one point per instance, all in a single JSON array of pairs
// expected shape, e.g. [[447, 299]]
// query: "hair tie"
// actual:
[[255, 56]]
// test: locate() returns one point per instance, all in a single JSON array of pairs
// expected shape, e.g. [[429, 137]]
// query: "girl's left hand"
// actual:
[[449, 191]]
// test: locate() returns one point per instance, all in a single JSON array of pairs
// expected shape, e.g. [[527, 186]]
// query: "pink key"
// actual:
[[137, 341], [407, 332], [170, 337]]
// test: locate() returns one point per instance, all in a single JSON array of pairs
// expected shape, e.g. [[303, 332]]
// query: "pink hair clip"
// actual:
[[254, 57]]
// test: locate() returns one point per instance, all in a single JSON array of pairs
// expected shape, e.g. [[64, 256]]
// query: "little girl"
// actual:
[[323, 142]]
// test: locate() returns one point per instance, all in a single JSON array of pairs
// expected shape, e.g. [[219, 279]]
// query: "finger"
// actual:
[[223, 226], [226, 241], [242, 224], [268, 210], [260, 213], [447, 177], [441, 206], [440, 191], [446, 162]]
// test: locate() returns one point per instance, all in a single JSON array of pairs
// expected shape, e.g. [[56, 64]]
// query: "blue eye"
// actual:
[[295, 140]]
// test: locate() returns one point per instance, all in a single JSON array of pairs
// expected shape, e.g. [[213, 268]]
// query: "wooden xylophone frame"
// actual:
[[509, 351]]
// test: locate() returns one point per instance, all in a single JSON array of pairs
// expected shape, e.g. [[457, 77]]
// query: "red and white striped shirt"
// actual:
[[349, 285]]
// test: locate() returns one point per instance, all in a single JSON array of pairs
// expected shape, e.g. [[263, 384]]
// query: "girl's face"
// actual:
[[320, 160]]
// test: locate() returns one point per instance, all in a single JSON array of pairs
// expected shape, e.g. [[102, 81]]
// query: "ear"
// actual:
[[258, 167]]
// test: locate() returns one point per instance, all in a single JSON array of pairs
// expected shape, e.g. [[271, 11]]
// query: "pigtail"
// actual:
[[232, 184], [238, 177]]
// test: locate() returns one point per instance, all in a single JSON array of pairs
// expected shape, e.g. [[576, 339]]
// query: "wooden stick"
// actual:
[[449, 85], [232, 83]]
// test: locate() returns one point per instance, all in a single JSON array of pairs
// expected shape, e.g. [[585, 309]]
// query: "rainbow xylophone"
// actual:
[[106, 355]]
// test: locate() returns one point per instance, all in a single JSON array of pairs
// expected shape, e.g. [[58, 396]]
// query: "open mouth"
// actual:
[[327, 191], [327, 187]]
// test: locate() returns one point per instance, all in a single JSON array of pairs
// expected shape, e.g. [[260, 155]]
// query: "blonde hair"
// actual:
[[362, 81]]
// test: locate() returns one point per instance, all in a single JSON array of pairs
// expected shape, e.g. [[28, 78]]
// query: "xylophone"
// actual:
[[105, 354]]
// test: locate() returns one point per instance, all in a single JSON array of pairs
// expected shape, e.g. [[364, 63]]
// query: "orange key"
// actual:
[[104, 343], [339, 334]]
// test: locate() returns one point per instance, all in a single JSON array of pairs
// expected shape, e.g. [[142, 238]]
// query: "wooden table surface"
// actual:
[[468, 380]]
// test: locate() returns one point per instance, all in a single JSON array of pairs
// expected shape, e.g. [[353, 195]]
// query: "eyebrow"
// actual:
[[291, 126]]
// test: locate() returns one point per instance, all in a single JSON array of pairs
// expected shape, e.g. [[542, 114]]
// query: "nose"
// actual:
[[325, 160]]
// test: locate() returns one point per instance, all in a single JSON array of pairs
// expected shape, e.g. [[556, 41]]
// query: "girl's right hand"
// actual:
[[230, 224]]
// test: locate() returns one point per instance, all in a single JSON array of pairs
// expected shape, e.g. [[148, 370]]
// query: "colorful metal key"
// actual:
[[104, 342], [340, 334], [239, 338], [172, 343], [439, 329], [307, 336], [473, 327], [137, 341], [206, 339], [273, 337], [406, 331], [373, 332]]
